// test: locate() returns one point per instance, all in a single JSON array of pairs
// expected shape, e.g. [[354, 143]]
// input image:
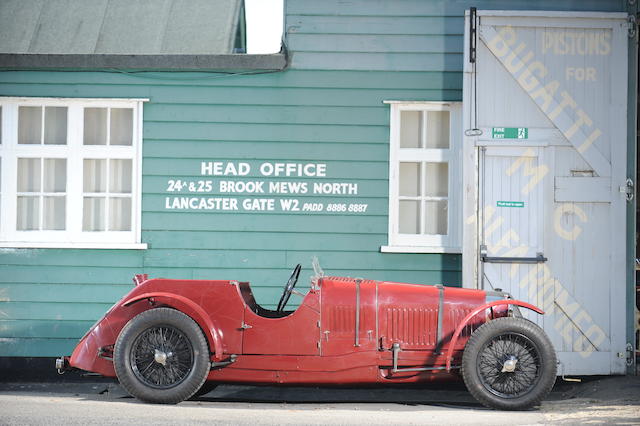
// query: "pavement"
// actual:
[[600, 400]]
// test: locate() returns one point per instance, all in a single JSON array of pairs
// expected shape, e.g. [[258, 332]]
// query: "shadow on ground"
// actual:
[[592, 393]]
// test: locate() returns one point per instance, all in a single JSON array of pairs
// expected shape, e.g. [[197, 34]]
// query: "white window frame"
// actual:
[[425, 243], [74, 152]]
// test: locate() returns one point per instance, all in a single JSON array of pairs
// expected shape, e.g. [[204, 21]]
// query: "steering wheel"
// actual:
[[288, 288]]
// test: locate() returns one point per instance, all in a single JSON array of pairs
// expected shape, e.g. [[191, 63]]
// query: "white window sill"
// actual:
[[419, 249], [101, 246]]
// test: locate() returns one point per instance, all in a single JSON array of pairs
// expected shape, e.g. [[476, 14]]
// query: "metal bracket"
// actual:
[[106, 352], [395, 350], [630, 353], [472, 34], [62, 365], [140, 278], [357, 337], [538, 259], [297, 293], [473, 50], [632, 26], [628, 189], [232, 358], [439, 341]]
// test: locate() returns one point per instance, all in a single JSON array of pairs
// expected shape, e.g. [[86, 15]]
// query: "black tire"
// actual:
[[487, 376], [205, 389], [161, 356]]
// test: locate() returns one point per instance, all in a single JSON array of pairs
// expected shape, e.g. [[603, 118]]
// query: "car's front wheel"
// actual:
[[205, 389], [509, 364], [161, 356]]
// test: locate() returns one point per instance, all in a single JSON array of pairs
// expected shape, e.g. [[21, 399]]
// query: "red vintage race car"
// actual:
[[168, 340]]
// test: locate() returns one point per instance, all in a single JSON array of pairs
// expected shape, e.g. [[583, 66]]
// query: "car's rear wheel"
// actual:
[[509, 364], [161, 356]]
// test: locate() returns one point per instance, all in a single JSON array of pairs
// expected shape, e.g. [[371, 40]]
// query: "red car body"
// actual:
[[346, 331]]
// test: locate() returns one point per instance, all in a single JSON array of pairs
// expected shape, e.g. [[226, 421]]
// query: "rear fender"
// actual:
[[476, 311], [192, 309]]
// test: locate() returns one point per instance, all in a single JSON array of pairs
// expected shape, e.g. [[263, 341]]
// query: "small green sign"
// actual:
[[510, 203], [510, 133]]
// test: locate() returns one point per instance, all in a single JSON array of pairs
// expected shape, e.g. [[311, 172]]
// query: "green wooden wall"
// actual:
[[346, 59]]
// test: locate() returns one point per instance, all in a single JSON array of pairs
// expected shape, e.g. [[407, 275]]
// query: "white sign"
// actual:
[[217, 194]]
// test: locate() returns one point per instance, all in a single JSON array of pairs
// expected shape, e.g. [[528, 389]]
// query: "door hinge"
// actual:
[[628, 189], [632, 26], [245, 326], [630, 355]]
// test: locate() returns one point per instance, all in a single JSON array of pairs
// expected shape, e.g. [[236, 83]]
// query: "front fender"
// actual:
[[193, 310], [476, 311]]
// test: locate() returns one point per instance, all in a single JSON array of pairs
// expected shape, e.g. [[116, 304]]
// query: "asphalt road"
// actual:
[[611, 400]]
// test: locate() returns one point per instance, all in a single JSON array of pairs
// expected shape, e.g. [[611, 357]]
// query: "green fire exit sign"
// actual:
[[510, 133]]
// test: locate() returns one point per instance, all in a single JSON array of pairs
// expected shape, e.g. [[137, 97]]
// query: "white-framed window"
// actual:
[[425, 179], [70, 172]]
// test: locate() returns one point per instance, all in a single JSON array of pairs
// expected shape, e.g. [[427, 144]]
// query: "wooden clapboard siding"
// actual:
[[346, 59], [406, 35], [37, 347], [392, 10], [292, 79]]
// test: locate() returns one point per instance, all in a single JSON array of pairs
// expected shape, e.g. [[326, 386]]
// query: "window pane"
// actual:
[[120, 176], [55, 175], [93, 216], [121, 126], [436, 179], [0, 125], [409, 217], [28, 214], [54, 213], [29, 174], [55, 125], [410, 179], [410, 125], [95, 175], [435, 217], [120, 214], [438, 129], [29, 125], [95, 126]]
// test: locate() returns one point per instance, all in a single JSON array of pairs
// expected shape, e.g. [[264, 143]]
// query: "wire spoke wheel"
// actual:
[[521, 352], [161, 357], [509, 364]]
